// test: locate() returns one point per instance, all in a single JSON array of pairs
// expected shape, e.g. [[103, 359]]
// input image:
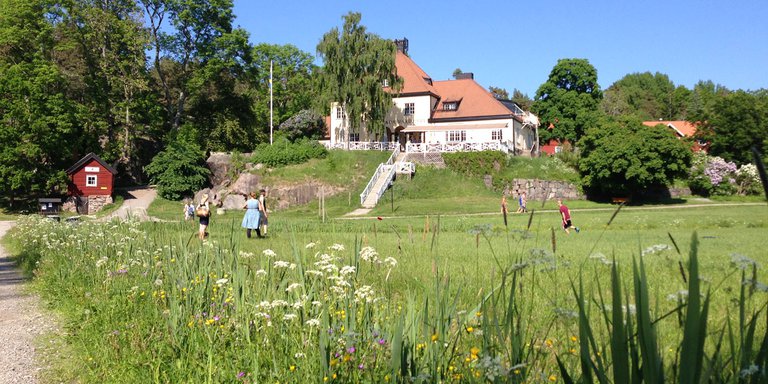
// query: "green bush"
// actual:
[[284, 152], [179, 170], [476, 163]]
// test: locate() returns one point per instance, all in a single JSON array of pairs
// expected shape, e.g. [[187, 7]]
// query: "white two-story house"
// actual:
[[441, 116]]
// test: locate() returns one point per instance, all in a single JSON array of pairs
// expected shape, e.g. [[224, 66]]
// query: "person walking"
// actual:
[[522, 202], [203, 211], [252, 215], [565, 213], [263, 220]]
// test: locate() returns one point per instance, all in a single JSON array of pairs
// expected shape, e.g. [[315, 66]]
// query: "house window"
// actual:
[[91, 180], [354, 137], [385, 83], [456, 136], [409, 110], [496, 135], [450, 106], [339, 113]]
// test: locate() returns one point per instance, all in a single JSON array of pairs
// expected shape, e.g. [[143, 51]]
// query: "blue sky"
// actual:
[[515, 44]]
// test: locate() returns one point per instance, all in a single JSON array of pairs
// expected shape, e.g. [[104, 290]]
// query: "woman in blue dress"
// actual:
[[252, 215]]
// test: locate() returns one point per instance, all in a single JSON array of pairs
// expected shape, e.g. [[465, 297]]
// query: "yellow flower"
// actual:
[[334, 362], [325, 379], [292, 368], [334, 376], [572, 350], [549, 342], [477, 373], [574, 339], [347, 358], [474, 351], [478, 313], [552, 378], [386, 378], [470, 329], [517, 371], [434, 337]]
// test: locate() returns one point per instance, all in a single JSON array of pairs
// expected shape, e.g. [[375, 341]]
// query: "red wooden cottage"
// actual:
[[90, 184]]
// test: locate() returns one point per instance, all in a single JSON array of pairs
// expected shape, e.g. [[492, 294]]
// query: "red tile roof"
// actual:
[[475, 101], [414, 78], [685, 128]]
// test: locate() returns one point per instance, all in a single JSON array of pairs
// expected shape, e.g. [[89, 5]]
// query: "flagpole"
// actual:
[[270, 102]]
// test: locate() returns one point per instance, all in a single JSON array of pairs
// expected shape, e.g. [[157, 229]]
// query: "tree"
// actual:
[[293, 76], [499, 93], [456, 73], [37, 117], [105, 43], [625, 157], [306, 123], [201, 47], [738, 122], [356, 65], [179, 170], [647, 96], [522, 99], [568, 101]]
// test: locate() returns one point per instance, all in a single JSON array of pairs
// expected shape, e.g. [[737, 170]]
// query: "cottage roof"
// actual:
[[681, 127], [415, 80], [86, 159], [475, 101]]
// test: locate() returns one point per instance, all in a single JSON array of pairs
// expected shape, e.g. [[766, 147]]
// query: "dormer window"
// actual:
[[450, 106], [428, 80]]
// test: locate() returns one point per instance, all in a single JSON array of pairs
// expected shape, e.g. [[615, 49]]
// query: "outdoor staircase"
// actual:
[[380, 185], [383, 176]]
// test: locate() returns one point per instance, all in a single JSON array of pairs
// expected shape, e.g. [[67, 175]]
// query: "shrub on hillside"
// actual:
[[179, 170], [626, 157], [283, 152], [713, 175], [306, 123], [476, 163]]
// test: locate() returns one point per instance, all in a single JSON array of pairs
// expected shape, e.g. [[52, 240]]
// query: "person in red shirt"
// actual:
[[566, 216]]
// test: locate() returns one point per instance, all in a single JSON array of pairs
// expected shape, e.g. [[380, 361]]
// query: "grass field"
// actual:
[[455, 297]]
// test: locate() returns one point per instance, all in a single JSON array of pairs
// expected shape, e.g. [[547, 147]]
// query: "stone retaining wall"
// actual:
[[543, 189]]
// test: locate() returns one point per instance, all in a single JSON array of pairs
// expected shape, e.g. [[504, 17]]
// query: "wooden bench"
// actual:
[[619, 200]]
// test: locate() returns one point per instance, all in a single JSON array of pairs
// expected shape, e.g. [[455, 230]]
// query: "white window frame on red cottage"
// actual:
[[88, 182]]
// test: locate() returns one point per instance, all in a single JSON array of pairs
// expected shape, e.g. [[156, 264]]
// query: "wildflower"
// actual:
[[101, 262], [337, 247], [347, 270], [292, 368], [434, 337], [470, 329], [269, 253], [752, 369], [351, 349], [474, 352], [391, 261], [292, 287], [574, 339], [261, 272], [299, 355], [281, 264], [310, 245], [313, 322], [221, 282], [369, 254], [552, 378], [240, 374], [289, 316], [158, 282]]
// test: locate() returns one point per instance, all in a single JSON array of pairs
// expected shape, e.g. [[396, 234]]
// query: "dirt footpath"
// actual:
[[135, 205], [20, 322]]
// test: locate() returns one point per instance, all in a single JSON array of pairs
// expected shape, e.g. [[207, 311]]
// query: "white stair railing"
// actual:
[[383, 168]]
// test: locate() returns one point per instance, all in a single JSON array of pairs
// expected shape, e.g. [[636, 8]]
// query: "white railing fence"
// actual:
[[453, 147], [388, 176], [363, 145]]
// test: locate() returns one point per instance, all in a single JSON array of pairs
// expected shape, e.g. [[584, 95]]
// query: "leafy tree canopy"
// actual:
[[568, 101], [179, 170], [737, 122], [522, 99], [647, 96], [625, 157], [356, 65]]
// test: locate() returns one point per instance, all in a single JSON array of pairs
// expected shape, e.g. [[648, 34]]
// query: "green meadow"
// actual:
[[455, 297]]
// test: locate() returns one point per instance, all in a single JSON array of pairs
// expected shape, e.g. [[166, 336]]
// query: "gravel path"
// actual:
[[135, 205], [20, 322]]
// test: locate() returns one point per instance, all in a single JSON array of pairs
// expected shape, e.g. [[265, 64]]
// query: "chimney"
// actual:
[[402, 45], [465, 75]]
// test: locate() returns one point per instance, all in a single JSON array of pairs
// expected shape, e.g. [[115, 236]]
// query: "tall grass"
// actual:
[[149, 303]]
